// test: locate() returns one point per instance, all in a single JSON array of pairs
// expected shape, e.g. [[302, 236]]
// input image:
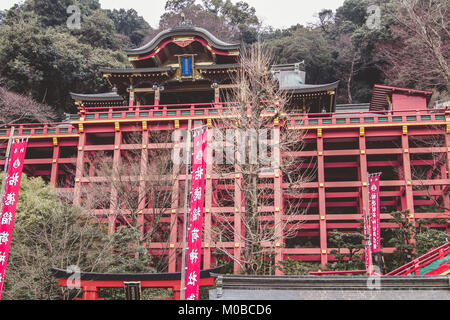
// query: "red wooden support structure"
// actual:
[[342, 149]]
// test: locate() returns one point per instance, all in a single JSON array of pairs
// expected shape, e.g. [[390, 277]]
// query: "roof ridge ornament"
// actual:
[[184, 23]]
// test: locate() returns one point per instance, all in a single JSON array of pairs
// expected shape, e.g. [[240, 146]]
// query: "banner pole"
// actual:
[[375, 257], [5, 172], [186, 206]]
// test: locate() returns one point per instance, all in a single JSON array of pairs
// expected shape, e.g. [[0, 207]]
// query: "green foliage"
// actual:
[[310, 45], [406, 249], [429, 238], [351, 15], [49, 233], [238, 15], [128, 23], [341, 47], [402, 240], [295, 267], [98, 28], [178, 6], [129, 257], [43, 57], [53, 13], [353, 260]]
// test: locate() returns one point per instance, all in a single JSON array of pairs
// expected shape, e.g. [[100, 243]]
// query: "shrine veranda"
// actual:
[[184, 74]]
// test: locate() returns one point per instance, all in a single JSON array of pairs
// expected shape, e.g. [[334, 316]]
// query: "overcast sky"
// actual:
[[278, 13]]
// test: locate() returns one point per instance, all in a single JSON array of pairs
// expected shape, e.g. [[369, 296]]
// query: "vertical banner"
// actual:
[[195, 227], [374, 212], [15, 168]]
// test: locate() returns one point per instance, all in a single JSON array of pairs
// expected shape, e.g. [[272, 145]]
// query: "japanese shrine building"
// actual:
[[184, 74]]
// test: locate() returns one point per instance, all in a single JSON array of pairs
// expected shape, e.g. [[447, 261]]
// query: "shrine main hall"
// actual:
[[185, 73]]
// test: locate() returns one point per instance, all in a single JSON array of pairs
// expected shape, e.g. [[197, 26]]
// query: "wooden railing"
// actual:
[[38, 129], [414, 266], [367, 118], [214, 110], [217, 110]]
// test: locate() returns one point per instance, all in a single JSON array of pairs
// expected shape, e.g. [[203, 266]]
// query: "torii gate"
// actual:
[[91, 282]]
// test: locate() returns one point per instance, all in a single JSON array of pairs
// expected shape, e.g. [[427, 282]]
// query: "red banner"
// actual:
[[15, 168], [195, 231], [374, 213]]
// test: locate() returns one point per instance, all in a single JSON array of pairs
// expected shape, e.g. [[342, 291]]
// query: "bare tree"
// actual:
[[138, 194], [419, 53], [262, 151], [17, 108], [217, 25]]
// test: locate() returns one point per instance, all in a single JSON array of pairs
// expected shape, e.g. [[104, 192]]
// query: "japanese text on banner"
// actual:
[[374, 213], [195, 230], [14, 175]]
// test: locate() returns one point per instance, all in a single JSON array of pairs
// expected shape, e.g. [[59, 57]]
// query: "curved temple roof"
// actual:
[[184, 30]]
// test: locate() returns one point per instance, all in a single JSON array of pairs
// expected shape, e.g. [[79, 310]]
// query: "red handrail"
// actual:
[[422, 261]]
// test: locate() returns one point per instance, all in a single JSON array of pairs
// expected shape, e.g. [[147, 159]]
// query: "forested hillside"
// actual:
[[409, 46]]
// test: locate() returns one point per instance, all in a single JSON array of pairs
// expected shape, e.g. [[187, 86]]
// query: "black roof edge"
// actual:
[[108, 96], [219, 66], [136, 70], [88, 276], [310, 88]]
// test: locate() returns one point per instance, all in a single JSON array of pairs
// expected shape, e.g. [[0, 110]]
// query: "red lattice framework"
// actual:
[[411, 149]]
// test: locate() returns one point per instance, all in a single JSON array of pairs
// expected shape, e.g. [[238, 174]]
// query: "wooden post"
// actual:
[[322, 202], [186, 206]]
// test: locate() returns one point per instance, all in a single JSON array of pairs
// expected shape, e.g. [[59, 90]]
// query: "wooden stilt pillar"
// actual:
[[238, 205], [322, 201], [446, 195], [174, 231], [90, 294], [114, 204], [157, 97], [409, 197], [278, 201], [143, 196], [54, 169], [79, 169]]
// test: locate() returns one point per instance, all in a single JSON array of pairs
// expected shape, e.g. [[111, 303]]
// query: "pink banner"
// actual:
[[15, 168], [195, 231], [374, 213]]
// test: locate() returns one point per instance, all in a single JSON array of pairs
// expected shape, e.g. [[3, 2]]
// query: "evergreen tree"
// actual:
[[352, 242]]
